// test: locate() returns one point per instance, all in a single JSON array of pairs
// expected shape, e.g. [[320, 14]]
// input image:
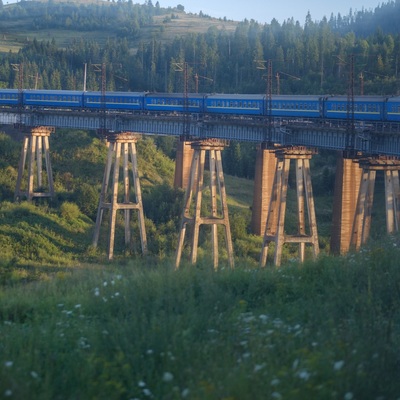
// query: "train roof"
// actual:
[[394, 99], [357, 98], [286, 97], [174, 95], [108, 93], [45, 91], [221, 96]]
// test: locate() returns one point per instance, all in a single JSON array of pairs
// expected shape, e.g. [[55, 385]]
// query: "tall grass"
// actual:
[[323, 330]]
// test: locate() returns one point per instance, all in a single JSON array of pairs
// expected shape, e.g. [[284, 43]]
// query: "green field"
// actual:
[[74, 326], [15, 33], [325, 330]]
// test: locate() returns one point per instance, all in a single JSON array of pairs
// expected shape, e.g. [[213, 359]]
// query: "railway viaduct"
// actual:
[[363, 150]]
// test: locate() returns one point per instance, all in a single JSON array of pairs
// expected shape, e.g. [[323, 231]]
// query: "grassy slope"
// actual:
[[14, 34], [328, 330]]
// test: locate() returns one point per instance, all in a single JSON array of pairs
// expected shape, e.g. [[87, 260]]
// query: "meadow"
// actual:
[[140, 330], [73, 326]]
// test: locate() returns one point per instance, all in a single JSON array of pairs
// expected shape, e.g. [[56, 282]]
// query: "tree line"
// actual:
[[314, 58]]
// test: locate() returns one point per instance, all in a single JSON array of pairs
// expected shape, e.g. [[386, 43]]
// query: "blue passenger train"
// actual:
[[365, 108]]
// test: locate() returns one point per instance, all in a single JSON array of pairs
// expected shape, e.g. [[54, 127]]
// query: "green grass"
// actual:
[[17, 31], [75, 327], [325, 330]]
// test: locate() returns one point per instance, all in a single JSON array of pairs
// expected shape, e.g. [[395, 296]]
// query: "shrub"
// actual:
[[69, 211]]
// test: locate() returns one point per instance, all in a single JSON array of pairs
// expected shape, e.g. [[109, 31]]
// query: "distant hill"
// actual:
[[99, 21]]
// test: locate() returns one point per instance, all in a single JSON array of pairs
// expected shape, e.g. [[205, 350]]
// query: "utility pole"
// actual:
[[183, 67], [103, 106], [267, 65], [19, 69], [350, 104]]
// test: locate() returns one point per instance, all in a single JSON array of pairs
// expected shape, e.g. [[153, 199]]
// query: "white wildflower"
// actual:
[[34, 375], [348, 396], [8, 364], [276, 395], [141, 384], [147, 392], [167, 377], [185, 392], [8, 393], [304, 374], [275, 382], [263, 318], [338, 365], [258, 367]]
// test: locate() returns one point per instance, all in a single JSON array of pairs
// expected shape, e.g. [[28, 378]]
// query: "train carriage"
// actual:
[[9, 97], [53, 98], [114, 100], [366, 108], [393, 109], [174, 102], [297, 106], [244, 104]]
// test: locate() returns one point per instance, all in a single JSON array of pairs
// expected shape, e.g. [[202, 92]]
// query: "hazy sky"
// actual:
[[265, 10]]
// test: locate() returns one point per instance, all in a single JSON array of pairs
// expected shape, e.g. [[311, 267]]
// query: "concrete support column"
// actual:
[[183, 162], [263, 182], [275, 225], [121, 147], [217, 211], [362, 220], [35, 151], [347, 186]]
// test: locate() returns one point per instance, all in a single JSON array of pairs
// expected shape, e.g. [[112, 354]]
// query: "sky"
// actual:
[[265, 10]]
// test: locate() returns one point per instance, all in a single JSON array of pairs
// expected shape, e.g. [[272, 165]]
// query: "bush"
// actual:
[[69, 211], [87, 199]]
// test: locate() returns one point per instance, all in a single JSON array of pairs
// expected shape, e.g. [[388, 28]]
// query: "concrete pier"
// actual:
[[122, 145], [35, 152], [192, 210], [275, 224]]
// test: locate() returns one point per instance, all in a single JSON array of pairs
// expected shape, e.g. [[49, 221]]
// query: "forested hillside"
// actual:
[[140, 51]]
